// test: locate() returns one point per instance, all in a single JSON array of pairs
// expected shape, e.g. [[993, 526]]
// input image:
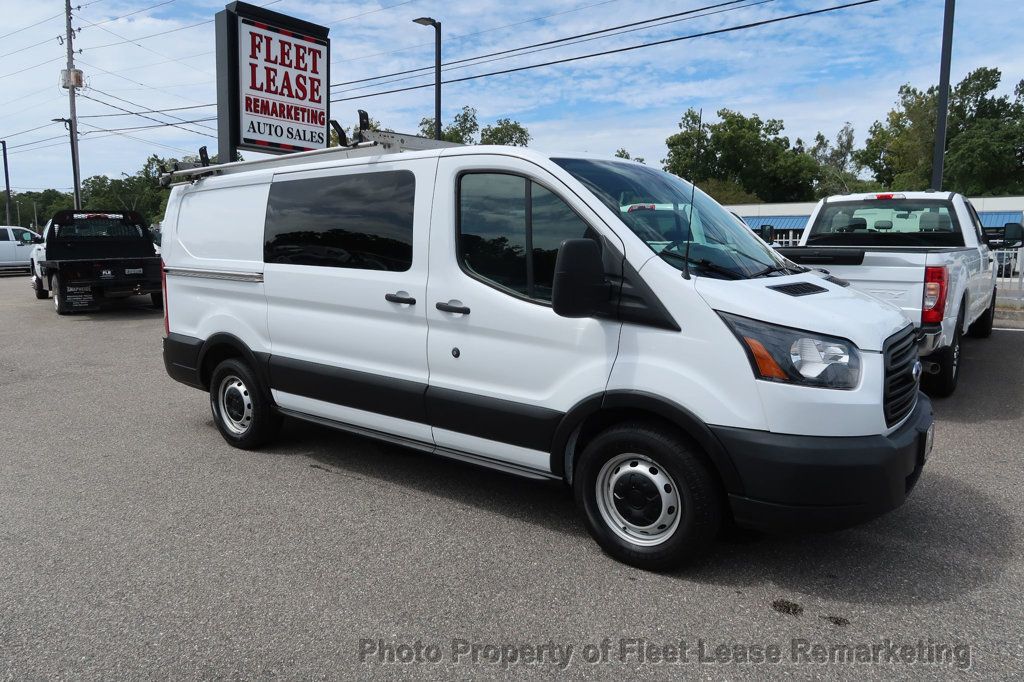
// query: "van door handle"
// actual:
[[449, 308], [398, 298]]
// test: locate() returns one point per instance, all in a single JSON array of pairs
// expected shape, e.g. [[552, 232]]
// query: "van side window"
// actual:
[[504, 217], [361, 221]]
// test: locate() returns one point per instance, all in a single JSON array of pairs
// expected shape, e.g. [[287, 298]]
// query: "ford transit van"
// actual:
[[567, 317]]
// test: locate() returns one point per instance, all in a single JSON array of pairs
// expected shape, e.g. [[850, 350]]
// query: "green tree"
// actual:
[[838, 167], [465, 126], [984, 140], [746, 152], [507, 132], [622, 153]]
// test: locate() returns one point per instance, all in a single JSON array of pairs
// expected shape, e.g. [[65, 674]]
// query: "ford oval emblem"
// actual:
[[916, 371]]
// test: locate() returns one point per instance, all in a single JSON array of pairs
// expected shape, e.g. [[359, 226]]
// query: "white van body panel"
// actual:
[[508, 348], [217, 234], [338, 317]]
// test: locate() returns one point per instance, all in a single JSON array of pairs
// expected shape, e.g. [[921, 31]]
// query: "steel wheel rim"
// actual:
[[638, 500], [234, 405]]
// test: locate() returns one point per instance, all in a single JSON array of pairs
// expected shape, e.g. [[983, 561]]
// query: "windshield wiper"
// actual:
[[706, 264], [791, 269]]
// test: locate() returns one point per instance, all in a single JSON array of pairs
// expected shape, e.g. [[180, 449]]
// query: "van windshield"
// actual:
[[887, 222], [677, 223]]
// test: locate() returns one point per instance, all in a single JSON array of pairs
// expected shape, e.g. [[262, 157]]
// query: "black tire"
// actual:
[[982, 327], [157, 299], [60, 303], [37, 284], [630, 462], [944, 383], [242, 408]]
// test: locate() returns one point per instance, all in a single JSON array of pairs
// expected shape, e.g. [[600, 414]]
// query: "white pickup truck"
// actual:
[[925, 252]]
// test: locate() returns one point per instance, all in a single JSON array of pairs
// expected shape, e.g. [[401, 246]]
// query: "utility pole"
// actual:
[[71, 81], [429, 21], [939, 155], [7, 182]]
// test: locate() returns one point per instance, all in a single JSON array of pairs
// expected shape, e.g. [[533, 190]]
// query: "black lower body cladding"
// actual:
[[773, 481], [816, 482]]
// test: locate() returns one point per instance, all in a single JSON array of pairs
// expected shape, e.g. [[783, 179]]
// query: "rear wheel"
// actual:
[[982, 327], [649, 497], [241, 407], [60, 303], [944, 382]]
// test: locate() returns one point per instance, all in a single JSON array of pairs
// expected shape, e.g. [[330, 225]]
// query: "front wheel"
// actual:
[[241, 408], [648, 495]]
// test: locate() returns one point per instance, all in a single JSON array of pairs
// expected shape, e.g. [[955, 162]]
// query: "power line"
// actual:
[[463, 36], [28, 47], [163, 33], [630, 48], [135, 104], [547, 42], [372, 11], [569, 40], [114, 106], [137, 139], [156, 125], [22, 132], [132, 80], [150, 111], [148, 49], [29, 68], [24, 28], [45, 139], [129, 14]]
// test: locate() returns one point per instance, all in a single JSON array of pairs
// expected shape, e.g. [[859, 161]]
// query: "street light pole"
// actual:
[[427, 21], [939, 154], [7, 182]]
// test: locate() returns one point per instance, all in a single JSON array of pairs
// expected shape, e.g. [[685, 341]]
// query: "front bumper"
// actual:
[[816, 482]]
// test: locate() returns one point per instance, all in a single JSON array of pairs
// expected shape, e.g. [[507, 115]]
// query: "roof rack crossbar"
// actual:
[[376, 143]]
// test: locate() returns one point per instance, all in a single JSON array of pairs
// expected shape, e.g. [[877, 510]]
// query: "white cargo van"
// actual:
[[502, 307]]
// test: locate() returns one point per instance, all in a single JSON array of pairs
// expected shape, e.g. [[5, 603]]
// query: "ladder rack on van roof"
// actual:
[[374, 143]]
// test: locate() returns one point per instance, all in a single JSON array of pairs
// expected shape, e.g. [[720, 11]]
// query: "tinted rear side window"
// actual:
[[362, 221]]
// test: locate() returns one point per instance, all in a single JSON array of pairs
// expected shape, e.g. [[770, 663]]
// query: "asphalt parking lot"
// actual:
[[135, 543]]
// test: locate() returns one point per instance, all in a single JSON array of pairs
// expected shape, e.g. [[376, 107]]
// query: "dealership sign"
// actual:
[[272, 81]]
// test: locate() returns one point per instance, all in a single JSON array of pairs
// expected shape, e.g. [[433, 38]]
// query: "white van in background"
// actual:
[[498, 306]]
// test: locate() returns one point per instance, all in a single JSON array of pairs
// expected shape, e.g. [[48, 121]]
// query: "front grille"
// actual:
[[900, 354]]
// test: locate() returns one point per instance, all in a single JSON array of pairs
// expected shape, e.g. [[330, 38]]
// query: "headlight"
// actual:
[[796, 357]]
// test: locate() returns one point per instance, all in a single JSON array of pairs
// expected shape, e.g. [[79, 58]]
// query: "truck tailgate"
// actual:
[[893, 275]]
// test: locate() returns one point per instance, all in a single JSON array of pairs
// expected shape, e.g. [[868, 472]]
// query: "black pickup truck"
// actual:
[[85, 257]]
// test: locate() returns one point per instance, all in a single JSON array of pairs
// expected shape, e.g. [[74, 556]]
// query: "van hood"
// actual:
[[836, 311]]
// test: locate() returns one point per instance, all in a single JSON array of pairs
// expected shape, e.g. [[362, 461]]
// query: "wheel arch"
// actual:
[[597, 413], [223, 346]]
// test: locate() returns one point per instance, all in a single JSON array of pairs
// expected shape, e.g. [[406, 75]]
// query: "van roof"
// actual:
[[380, 146]]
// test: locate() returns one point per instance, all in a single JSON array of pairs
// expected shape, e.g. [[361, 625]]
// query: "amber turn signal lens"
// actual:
[[766, 364]]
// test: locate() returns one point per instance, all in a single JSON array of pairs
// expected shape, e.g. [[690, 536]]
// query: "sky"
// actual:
[[815, 73]]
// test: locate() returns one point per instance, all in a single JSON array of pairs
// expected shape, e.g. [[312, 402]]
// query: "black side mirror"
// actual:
[[767, 233], [37, 240], [579, 288], [1013, 233]]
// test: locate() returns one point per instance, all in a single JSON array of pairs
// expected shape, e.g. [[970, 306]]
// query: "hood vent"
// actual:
[[799, 289]]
